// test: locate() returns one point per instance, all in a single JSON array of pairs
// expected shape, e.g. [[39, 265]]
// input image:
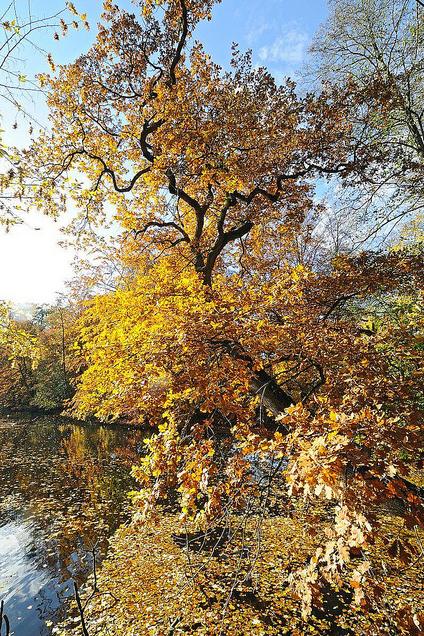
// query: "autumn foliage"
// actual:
[[235, 333], [37, 360]]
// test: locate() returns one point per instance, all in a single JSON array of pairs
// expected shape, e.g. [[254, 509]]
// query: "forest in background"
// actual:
[[271, 336]]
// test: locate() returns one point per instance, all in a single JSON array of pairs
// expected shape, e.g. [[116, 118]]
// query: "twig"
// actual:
[[80, 609], [173, 625]]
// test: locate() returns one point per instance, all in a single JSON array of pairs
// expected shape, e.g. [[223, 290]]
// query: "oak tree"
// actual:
[[220, 335]]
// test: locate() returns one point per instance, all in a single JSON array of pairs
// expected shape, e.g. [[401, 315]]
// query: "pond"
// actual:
[[63, 491]]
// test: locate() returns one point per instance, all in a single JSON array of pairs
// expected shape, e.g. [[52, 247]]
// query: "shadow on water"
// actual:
[[63, 489]]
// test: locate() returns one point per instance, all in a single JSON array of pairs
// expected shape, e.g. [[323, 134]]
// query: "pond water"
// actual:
[[63, 490]]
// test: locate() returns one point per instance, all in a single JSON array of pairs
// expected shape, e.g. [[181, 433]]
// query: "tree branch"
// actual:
[[162, 224], [148, 129], [191, 201], [222, 240], [184, 17]]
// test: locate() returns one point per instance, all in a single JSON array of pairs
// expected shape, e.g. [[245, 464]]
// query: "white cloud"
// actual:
[[256, 31], [289, 47]]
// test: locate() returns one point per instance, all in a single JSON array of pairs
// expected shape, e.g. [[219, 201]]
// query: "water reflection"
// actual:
[[63, 489]]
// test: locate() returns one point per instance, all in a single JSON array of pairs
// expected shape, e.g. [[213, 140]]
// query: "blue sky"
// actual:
[[278, 32]]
